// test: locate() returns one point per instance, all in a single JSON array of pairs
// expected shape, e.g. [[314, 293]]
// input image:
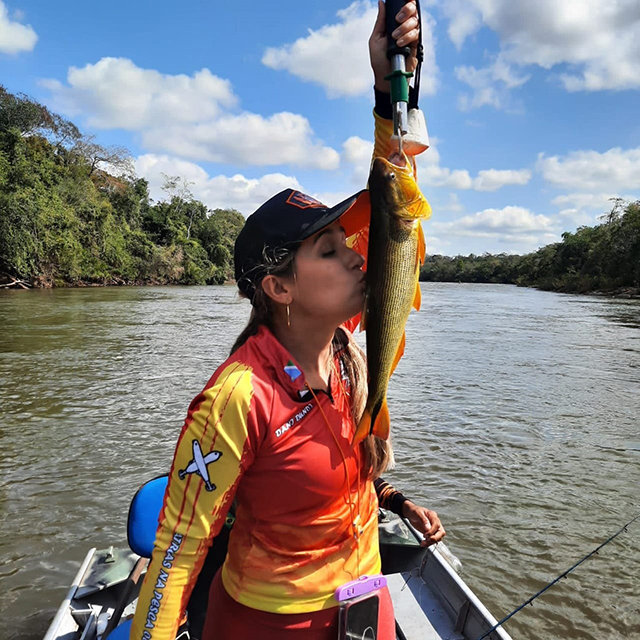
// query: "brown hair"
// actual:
[[378, 453]]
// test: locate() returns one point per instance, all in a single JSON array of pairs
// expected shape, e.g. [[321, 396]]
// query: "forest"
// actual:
[[603, 258], [72, 212]]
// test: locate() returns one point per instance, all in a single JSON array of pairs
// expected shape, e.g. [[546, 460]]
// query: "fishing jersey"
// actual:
[[257, 434]]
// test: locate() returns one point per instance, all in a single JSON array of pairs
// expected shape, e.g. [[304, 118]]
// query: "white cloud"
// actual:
[[15, 37], [190, 116], [509, 222], [587, 208], [246, 139], [491, 85], [494, 179], [357, 154], [238, 192], [595, 42], [431, 174], [453, 204], [590, 171], [117, 94], [313, 58], [584, 200], [435, 245]]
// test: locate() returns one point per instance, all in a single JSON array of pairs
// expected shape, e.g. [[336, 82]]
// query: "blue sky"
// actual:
[[532, 108]]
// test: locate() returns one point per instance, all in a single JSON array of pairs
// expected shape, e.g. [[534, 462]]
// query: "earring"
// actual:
[[288, 317]]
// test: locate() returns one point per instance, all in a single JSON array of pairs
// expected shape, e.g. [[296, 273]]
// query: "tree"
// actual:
[[115, 159], [218, 236], [179, 192], [22, 113]]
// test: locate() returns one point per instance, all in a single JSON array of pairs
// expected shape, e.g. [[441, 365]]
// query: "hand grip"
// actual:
[[392, 8]]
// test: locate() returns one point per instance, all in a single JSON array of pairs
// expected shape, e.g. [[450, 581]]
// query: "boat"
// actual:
[[430, 599]]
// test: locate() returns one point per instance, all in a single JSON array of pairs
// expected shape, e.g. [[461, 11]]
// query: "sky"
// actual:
[[533, 108]]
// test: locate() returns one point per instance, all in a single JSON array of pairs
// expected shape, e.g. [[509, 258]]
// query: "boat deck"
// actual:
[[431, 602]]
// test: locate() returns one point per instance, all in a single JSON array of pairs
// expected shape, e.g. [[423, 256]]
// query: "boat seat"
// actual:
[[142, 522], [122, 631], [142, 525]]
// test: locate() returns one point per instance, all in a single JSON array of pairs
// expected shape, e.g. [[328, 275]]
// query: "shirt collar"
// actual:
[[285, 369]]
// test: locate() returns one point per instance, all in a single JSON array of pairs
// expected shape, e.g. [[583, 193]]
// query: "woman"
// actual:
[[272, 429]]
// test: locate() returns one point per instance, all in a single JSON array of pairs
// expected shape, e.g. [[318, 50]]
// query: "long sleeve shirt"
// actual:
[[253, 434]]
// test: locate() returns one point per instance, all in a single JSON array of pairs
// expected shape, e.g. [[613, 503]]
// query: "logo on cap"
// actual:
[[303, 201]]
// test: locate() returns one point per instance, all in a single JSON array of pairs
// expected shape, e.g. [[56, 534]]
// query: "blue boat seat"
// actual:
[[144, 511], [122, 631], [142, 524]]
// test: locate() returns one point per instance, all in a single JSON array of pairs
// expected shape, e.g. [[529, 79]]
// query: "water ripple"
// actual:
[[514, 416]]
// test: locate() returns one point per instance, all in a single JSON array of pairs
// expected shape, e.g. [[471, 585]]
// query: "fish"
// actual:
[[396, 250]]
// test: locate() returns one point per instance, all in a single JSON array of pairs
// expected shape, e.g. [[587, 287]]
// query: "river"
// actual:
[[514, 415]]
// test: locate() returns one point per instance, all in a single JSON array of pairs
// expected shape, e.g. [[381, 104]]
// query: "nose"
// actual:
[[358, 259]]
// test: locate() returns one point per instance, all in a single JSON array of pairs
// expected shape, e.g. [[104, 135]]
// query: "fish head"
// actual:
[[397, 186]]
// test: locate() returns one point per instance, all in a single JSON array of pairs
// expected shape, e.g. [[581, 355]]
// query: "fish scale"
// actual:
[[392, 280]]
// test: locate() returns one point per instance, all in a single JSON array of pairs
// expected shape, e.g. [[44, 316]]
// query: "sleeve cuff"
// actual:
[[383, 104], [397, 502]]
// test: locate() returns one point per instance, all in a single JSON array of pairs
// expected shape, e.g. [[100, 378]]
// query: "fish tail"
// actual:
[[380, 420], [364, 427], [376, 422]]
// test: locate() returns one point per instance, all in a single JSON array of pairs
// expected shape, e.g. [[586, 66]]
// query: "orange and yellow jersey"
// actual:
[[257, 434], [254, 434]]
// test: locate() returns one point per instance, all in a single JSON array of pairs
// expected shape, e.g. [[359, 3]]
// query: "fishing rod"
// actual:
[[560, 577]]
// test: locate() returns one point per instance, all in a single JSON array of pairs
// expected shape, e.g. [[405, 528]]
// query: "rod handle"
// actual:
[[392, 8]]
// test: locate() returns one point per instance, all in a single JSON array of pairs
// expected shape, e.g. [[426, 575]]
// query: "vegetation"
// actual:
[[601, 258], [65, 219]]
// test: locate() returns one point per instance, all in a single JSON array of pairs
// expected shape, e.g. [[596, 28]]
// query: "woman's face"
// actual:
[[329, 281]]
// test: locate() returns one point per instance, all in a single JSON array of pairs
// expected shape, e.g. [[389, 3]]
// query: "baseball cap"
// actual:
[[282, 222]]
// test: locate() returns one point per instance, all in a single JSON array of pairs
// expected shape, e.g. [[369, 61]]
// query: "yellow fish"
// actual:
[[396, 251]]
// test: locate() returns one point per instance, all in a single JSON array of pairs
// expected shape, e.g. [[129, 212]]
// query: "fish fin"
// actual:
[[364, 426], [417, 298], [422, 245], [382, 422], [377, 423], [399, 354]]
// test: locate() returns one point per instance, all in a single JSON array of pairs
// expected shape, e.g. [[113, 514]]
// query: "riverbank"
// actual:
[[618, 292], [6, 282]]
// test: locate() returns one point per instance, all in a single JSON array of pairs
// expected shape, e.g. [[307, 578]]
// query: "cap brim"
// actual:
[[331, 215]]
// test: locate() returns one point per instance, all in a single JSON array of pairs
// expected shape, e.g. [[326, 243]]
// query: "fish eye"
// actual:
[[392, 176]]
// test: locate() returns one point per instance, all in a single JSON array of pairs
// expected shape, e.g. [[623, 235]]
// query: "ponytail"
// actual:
[[378, 453]]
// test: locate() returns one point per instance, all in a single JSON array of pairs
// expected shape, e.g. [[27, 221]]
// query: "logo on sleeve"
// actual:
[[199, 464]]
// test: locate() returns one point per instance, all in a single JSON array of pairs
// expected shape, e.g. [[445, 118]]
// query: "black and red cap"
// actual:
[[281, 223]]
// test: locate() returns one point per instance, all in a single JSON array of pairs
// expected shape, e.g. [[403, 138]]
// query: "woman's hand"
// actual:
[[425, 521], [406, 34]]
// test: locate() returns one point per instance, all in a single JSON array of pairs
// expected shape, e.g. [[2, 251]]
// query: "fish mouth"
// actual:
[[397, 159]]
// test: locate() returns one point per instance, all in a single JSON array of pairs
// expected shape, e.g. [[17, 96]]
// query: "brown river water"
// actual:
[[515, 414]]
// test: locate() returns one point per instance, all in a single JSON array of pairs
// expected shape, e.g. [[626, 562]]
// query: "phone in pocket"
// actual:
[[358, 618]]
